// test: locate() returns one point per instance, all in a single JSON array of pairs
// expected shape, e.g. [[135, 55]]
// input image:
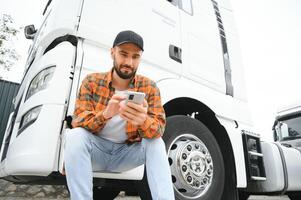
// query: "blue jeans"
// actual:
[[86, 152]]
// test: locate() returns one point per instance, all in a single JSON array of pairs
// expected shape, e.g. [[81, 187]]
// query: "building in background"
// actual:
[[8, 91]]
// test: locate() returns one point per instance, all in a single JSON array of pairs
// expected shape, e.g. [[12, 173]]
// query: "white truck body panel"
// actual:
[[162, 27], [39, 143], [293, 163]]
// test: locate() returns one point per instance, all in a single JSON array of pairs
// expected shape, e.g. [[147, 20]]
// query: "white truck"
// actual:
[[192, 53], [287, 131], [287, 126]]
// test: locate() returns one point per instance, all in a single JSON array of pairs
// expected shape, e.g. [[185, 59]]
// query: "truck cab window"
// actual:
[[291, 128], [186, 5]]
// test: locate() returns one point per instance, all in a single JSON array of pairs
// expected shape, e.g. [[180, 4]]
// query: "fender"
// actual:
[[228, 111]]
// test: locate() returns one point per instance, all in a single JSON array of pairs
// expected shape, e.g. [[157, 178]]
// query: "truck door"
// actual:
[[163, 39], [205, 59], [35, 136], [157, 21]]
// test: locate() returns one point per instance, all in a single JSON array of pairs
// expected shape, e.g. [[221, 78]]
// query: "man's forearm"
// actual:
[[152, 127], [90, 120]]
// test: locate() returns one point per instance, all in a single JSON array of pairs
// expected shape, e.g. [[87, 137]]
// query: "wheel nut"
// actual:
[[189, 179], [208, 159], [184, 156], [208, 171], [184, 168], [204, 180], [197, 183], [196, 146], [189, 147]]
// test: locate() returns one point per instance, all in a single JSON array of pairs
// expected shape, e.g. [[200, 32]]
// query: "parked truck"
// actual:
[[192, 53], [287, 126], [287, 131]]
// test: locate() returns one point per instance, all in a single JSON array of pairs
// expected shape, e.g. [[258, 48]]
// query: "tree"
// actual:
[[8, 54]]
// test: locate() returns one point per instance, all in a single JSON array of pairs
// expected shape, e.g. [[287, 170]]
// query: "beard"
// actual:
[[126, 74]]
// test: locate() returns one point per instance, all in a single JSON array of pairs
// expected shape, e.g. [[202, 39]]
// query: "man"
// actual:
[[110, 135]]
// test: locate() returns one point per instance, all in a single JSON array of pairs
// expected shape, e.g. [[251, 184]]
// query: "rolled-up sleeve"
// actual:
[[154, 124], [84, 114]]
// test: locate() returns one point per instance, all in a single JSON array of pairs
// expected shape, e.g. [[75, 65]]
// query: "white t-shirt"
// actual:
[[115, 128]]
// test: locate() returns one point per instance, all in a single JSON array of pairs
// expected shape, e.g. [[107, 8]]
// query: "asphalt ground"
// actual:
[[137, 198]]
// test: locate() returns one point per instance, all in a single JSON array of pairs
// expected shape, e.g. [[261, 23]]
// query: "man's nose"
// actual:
[[129, 61]]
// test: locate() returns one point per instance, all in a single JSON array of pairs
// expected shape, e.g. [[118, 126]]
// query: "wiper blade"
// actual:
[[286, 144]]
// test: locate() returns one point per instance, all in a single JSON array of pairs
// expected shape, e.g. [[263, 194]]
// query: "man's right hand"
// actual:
[[112, 108]]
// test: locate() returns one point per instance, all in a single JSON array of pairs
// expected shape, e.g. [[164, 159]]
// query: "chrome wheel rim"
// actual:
[[191, 166]]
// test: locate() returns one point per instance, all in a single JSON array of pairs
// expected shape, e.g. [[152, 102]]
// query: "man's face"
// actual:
[[126, 58]]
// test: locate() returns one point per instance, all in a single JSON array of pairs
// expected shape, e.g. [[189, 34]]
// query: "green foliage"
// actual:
[[8, 54]]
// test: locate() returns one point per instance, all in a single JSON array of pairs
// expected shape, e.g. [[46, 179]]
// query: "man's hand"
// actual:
[[133, 113], [113, 106]]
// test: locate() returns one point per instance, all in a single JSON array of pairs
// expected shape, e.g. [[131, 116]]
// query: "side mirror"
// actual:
[[276, 136], [30, 32], [284, 130], [281, 131]]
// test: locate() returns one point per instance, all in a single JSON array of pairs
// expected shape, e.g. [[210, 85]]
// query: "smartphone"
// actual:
[[135, 97]]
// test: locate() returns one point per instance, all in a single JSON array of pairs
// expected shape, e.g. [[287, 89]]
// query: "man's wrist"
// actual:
[[146, 124], [105, 116]]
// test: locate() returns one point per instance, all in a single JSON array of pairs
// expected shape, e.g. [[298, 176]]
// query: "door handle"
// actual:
[[175, 53]]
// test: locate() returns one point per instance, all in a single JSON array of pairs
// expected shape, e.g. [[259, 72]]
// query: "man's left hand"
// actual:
[[133, 113]]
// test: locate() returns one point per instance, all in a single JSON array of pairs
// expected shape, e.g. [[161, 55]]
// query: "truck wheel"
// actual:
[[243, 195], [195, 159], [104, 193], [294, 196]]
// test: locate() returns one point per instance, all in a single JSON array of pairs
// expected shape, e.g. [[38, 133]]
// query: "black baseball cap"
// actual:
[[128, 37]]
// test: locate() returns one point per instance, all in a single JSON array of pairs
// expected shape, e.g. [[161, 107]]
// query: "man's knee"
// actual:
[[154, 143], [77, 140]]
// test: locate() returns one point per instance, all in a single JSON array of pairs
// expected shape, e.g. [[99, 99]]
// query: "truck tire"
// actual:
[[104, 193], [196, 161], [294, 196], [243, 195]]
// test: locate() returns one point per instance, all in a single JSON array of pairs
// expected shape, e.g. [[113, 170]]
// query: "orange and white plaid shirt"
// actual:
[[96, 91]]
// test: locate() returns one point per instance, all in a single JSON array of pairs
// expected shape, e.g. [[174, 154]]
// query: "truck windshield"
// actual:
[[292, 128]]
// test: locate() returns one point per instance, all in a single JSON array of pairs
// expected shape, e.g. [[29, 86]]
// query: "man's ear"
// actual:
[[112, 52]]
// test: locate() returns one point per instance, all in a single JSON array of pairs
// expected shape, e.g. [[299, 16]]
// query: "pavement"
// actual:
[[137, 198], [268, 198]]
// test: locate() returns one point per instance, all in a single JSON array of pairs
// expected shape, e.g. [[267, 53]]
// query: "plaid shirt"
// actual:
[[96, 91]]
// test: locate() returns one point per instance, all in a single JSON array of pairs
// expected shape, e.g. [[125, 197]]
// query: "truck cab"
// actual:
[[282, 157], [287, 130], [287, 126]]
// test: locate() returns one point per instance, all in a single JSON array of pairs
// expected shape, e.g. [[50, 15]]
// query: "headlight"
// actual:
[[40, 81], [29, 118]]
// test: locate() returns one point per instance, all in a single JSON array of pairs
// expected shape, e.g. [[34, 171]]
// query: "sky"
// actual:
[[269, 35], [269, 32]]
